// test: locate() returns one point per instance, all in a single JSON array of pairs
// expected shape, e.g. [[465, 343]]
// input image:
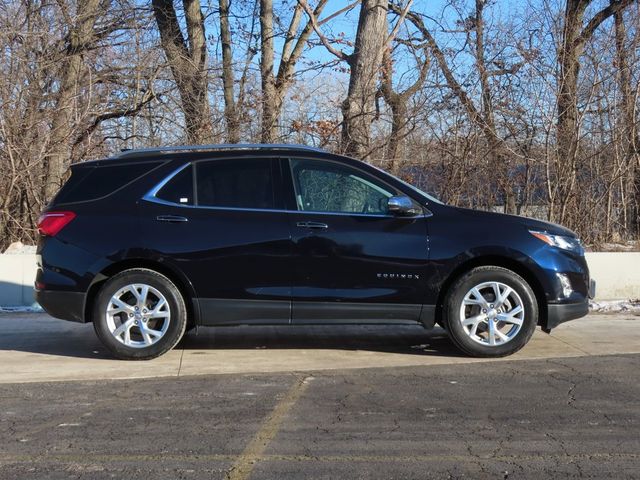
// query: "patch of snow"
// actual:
[[628, 246], [19, 248], [35, 308], [615, 306]]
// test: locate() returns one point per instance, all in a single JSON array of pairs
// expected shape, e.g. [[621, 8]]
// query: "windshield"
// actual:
[[430, 198]]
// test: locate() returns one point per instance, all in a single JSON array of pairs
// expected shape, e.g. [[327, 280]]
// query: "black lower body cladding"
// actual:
[[63, 305]]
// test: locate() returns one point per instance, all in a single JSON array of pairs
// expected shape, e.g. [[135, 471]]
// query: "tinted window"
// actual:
[[90, 183], [179, 189], [239, 183], [327, 187]]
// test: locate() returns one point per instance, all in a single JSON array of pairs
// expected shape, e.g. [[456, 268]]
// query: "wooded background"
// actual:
[[527, 106]]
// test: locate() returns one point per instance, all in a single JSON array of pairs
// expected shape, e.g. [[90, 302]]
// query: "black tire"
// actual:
[[454, 300], [177, 320]]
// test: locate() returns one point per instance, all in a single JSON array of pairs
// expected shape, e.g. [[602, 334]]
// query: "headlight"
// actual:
[[561, 241]]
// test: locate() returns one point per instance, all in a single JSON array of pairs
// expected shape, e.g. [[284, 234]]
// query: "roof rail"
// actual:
[[141, 152]]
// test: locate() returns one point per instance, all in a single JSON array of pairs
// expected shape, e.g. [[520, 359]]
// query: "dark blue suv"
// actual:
[[156, 241]]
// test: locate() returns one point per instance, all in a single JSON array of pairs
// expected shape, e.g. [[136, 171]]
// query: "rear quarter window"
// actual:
[[179, 189], [91, 182]]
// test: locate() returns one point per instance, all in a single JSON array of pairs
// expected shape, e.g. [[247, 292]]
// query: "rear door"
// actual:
[[219, 223]]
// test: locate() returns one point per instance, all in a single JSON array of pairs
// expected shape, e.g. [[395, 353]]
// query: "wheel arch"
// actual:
[[176, 277], [498, 261]]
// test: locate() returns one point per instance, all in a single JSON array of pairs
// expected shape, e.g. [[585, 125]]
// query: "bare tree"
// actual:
[[534, 111], [228, 81], [574, 38], [275, 85], [630, 140], [81, 37], [483, 116], [188, 63], [358, 109], [398, 100], [61, 98]]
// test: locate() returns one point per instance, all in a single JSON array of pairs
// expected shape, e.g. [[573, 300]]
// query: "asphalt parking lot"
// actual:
[[316, 402]]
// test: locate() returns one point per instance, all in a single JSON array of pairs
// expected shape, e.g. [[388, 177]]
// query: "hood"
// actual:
[[529, 223]]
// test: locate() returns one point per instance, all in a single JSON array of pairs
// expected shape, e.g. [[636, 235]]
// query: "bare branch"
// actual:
[[601, 16], [325, 41], [396, 27]]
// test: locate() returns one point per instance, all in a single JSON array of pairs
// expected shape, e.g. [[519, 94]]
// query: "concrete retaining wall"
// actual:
[[617, 276], [17, 274]]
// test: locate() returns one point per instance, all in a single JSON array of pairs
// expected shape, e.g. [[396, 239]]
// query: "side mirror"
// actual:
[[401, 206]]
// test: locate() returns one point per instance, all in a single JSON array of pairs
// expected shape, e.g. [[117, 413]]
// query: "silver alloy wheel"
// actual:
[[492, 313], [138, 315]]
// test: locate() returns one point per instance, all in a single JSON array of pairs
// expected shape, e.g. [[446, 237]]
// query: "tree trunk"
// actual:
[[399, 114], [230, 107], [568, 129], [358, 109], [80, 38], [629, 130], [188, 65], [397, 102], [269, 110]]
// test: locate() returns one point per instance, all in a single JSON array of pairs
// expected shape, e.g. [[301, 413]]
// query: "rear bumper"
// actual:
[[63, 305]]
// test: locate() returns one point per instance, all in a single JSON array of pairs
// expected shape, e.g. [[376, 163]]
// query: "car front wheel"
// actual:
[[139, 314], [490, 312]]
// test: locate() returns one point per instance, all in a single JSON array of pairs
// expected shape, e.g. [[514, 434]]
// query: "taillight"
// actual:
[[50, 223]]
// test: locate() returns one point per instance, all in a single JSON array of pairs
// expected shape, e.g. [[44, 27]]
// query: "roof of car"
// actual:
[[154, 151]]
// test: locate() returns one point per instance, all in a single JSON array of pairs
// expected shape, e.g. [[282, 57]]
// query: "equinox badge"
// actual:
[[409, 276]]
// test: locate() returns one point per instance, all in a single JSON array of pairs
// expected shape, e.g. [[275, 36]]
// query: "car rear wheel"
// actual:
[[139, 314], [490, 312]]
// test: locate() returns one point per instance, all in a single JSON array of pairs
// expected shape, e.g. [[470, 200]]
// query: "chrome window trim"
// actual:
[[150, 196]]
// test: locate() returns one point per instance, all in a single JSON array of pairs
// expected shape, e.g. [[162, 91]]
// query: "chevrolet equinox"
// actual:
[[153, 242]]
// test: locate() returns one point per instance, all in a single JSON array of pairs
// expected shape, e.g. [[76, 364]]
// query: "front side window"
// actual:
[[328, 187], [237, 183]]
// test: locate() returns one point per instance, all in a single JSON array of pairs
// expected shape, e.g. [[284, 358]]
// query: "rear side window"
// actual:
[[237, 183], [91, 183]]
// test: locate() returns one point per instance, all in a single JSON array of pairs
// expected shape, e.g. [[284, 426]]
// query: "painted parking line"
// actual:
[[259, 443]]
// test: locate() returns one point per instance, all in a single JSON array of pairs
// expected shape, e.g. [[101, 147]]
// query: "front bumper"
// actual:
[[558, 313], [63, 305]]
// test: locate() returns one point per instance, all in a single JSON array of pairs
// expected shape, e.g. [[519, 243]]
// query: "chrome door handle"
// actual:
[[313, 225], [171, 218]]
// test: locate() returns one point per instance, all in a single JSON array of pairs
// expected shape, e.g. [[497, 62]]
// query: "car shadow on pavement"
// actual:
[[40, 334], [404, 339]]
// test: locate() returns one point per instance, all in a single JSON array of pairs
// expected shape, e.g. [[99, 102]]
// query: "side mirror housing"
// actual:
[[401, 206]]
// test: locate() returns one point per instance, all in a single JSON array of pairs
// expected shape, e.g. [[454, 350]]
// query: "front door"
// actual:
[[354, 262]]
